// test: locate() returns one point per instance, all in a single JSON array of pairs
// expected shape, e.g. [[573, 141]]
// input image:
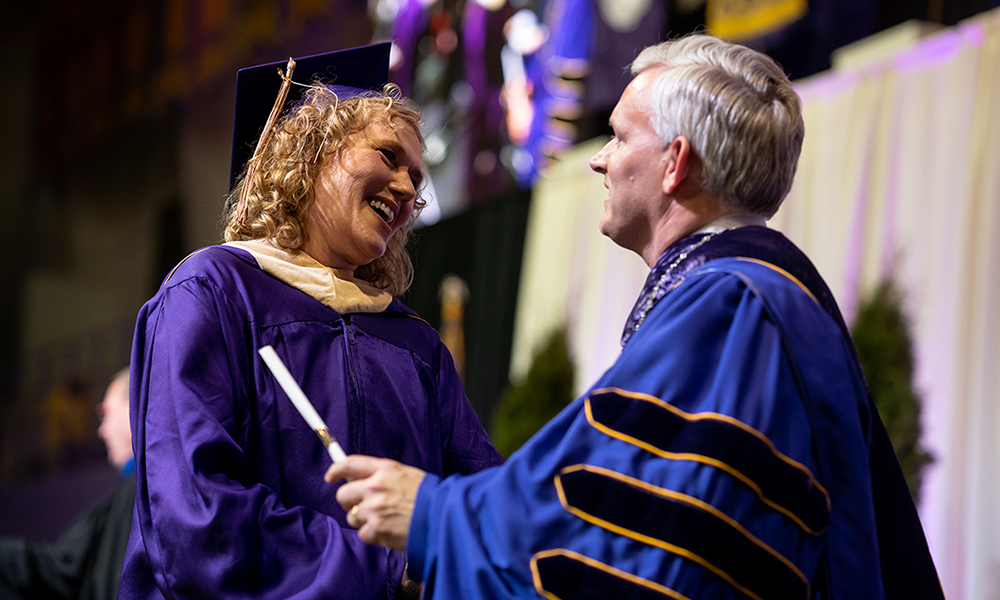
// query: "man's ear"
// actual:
[[678, 154]]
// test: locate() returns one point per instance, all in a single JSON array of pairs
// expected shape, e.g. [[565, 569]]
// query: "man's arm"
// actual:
[[612, 495]]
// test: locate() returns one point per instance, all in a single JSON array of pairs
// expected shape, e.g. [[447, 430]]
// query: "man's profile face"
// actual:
[[631, 164], [114, 429]]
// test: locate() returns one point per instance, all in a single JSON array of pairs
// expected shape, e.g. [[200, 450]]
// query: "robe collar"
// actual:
[[336, 288], [672, 266]]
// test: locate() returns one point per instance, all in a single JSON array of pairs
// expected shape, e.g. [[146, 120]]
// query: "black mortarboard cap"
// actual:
[[351, 72]]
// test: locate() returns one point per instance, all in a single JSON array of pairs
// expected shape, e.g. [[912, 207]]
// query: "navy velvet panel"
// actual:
[[682, 525], [786, 486]]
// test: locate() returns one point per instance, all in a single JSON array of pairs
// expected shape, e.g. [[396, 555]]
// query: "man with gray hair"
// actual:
[[732, 451]]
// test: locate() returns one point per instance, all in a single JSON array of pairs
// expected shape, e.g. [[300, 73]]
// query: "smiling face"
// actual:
[[632, 167], [364, 195]]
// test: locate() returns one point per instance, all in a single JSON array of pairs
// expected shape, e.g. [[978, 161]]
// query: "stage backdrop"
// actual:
[[900, 174]]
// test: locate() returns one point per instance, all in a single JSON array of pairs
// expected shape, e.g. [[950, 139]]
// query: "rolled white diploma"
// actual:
[[298, 398]]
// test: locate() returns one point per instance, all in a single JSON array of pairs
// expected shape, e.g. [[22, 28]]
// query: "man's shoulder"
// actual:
[[729, 298], [761, 277], [764, 245], [782, 298]]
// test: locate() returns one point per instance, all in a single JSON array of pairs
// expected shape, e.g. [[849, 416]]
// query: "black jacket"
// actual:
[[85, 563]]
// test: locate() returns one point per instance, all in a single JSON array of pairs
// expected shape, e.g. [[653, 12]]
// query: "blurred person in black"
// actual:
[[86, 561]]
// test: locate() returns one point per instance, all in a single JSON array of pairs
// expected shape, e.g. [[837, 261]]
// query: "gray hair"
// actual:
[[739, 112]]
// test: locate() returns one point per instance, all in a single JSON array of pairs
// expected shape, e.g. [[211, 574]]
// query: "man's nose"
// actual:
[[598, 162]]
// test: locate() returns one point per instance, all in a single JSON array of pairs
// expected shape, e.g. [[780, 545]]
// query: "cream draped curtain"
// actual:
[[899, 175]]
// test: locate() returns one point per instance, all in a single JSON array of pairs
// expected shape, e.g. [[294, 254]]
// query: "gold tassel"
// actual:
[[279, 103]]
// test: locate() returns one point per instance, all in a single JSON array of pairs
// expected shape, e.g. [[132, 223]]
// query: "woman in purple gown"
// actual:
[[231, 501]]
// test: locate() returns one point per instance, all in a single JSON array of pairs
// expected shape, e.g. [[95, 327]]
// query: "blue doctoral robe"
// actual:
[[728, 453], [230, 499]]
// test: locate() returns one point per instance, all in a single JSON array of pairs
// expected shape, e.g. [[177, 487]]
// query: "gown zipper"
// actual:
[[356, 406]]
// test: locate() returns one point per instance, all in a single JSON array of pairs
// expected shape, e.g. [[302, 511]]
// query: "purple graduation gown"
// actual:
[[230, 500]]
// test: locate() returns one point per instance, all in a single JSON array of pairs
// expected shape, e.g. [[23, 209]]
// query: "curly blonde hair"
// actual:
[[299, 148]]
